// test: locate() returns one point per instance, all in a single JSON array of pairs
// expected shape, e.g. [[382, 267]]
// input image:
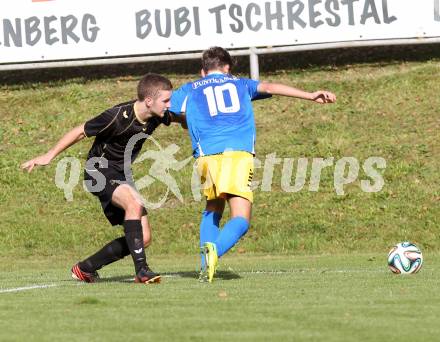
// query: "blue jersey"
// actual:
[[219, 113]]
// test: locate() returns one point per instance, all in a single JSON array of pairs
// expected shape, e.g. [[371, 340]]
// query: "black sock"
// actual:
[[111, 252], [135, 242]]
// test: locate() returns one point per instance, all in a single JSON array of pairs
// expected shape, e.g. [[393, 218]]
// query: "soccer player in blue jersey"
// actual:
[[221, 125]]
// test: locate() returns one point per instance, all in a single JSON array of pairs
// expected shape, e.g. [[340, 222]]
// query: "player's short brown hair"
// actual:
[[216, 57], [151, 84]]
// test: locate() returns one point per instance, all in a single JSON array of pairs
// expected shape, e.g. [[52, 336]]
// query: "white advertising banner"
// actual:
[[53, 30]]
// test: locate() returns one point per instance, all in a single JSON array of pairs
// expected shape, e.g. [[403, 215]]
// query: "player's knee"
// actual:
[[134, 210], [147, 240]]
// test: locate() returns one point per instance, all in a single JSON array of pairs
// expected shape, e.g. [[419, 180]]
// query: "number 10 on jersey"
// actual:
[[215, 97]]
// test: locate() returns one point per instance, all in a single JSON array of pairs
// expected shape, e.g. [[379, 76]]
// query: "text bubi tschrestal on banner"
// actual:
[[51, 30]]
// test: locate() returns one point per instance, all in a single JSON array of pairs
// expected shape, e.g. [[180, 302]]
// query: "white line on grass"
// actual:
[[18, 289], [179, 275], [35, 287]]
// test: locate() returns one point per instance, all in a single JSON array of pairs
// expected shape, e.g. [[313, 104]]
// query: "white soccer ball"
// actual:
[[405, 258]]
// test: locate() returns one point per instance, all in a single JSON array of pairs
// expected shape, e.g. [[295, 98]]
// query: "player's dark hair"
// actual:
[[151, 84], [216, 57]]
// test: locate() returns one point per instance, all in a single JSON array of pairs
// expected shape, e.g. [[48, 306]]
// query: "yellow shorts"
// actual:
[[226, 173]]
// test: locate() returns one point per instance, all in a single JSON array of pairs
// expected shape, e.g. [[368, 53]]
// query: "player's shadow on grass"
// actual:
[[117, 279], [223, 275]]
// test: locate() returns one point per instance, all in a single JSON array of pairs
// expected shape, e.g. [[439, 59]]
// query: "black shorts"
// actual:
[[113, 178]]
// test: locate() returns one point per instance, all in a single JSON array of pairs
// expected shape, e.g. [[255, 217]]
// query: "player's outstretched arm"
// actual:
[[320, 96], [67, 140]]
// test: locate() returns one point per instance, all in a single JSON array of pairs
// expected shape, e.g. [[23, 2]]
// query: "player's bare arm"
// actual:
[[69, 139], [320, 96]]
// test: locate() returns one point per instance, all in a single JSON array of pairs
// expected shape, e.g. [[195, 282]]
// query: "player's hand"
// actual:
[[40, 160], [322, 96]]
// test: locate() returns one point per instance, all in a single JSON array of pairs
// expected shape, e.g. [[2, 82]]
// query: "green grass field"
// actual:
[[388, 111], [351, 297], [312, 266]]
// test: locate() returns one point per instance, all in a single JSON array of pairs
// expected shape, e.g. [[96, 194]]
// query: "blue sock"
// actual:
[[233, 230], [209, 228]]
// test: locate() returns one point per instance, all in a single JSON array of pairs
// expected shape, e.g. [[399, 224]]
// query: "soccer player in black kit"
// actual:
[[109, 178]]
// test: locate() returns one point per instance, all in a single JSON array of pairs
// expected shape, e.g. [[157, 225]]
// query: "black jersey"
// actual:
[[113, 129]]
